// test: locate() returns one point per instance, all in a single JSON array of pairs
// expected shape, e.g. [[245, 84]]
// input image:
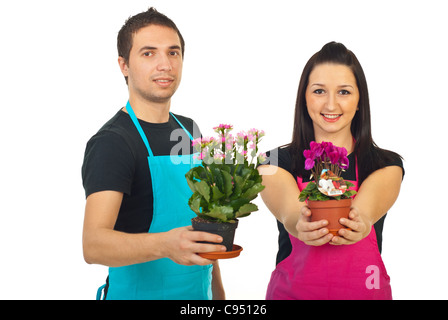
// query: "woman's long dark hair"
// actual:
[[369, 156]]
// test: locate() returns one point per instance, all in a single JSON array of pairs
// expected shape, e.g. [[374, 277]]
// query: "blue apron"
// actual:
[[163, 279]]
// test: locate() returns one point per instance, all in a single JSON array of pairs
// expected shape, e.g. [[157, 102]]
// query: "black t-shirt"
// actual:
[[116, 159], [281, 157]]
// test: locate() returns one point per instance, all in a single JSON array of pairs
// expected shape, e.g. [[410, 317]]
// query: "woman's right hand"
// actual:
[[312, 233]]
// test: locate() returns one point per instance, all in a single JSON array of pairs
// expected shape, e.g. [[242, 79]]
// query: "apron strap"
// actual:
[[142, 133], [100, 292], [139, 128], [182, 126]]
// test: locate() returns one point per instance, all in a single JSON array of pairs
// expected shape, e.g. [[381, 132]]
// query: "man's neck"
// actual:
[[152, 112]]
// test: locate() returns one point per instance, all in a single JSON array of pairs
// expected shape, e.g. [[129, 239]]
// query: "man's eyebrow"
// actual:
[[155, 48], [147, 48]]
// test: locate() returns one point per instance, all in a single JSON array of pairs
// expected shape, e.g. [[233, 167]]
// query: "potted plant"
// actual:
[[227, 181], [328, 196]]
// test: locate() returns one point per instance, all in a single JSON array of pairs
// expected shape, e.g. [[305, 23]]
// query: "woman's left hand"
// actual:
[[359, 229]]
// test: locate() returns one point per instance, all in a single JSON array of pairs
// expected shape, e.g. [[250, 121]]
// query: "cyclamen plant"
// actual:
[[226, 183], [326, 162]]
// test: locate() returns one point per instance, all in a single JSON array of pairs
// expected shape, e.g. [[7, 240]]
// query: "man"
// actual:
[[137, 217]]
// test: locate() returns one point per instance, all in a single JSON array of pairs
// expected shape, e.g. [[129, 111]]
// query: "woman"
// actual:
[[332, 105]]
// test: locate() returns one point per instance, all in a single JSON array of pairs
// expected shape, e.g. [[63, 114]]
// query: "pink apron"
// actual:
[[329, 272]]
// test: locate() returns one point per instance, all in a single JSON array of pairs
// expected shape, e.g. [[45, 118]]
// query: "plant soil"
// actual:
[[225, 230]]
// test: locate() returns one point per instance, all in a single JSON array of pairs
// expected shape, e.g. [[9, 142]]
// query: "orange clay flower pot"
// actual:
[[332, 211]]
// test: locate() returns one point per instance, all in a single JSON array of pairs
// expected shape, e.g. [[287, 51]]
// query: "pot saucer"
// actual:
[[222, 255]]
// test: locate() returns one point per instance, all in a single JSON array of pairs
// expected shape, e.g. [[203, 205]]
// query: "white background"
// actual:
[[60, 82]]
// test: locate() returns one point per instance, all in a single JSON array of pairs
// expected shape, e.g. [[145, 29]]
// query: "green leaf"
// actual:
[[349, 184], [246, 172], [217, 194], [189, 177], [237, 203], [227, 183], [195, 203], [303, 196], [222, 213], [237, 187], [248, 184], [199, 173], [217, 176], [311, 192], [253, 192], [246, 210], [349, 193], [193, 175], [226, 168], [203, 188]]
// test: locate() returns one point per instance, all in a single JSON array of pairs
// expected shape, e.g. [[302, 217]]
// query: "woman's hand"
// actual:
[[316, 234], [312, 233], [359, 229]]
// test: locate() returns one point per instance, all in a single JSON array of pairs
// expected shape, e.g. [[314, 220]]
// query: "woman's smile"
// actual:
[[331, 117]]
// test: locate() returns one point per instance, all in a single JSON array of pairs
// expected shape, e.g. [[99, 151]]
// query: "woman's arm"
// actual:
[[375, 197], [281, 196]]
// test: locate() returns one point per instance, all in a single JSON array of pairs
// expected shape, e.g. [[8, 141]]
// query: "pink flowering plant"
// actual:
[[228, 180], [326, 162]]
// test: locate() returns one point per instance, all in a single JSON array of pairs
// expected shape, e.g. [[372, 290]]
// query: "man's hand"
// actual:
[[181, 245]]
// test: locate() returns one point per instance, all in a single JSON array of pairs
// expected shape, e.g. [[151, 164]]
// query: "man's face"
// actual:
[[154, 69]]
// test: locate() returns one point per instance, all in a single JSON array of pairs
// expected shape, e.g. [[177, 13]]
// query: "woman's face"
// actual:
[[332, 98]]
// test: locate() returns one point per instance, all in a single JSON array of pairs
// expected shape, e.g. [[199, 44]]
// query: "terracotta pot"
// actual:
[[332, 211], [225, 230]]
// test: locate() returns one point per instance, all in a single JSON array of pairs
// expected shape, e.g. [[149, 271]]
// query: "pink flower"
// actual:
[[197, 141], [317, 149], [344, 163], [231, 149], [334, 156], [199, 156], [309, 164], [262, 157], [219, 156], [242, 135], [222, 127], [325, 152], [256, 133]]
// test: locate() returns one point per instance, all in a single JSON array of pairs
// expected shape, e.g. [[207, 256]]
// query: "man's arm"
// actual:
[[103, 245]]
